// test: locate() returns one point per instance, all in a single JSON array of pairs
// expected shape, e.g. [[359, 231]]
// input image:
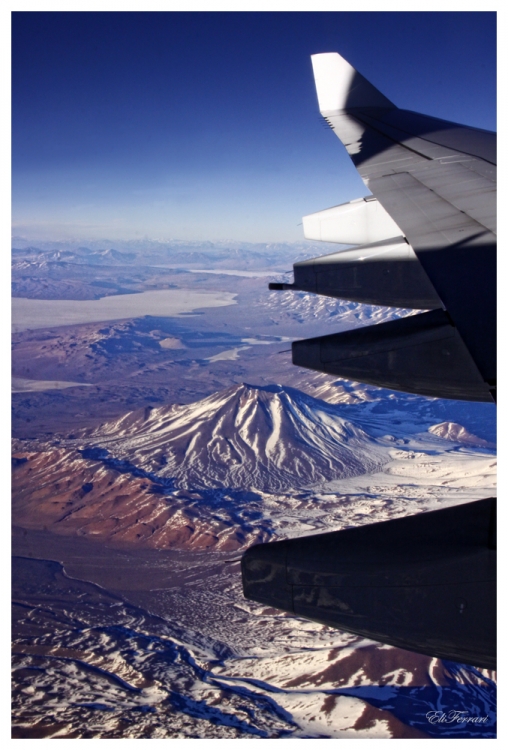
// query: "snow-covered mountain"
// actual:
[[270, 438], [304, 307], [457, 433]]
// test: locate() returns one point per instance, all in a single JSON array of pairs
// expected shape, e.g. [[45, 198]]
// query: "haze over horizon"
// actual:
[[205, 126]]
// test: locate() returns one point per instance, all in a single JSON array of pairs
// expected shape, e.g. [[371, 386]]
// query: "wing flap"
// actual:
[[358, 222], [381, 273], [426, 582], [420, 354]]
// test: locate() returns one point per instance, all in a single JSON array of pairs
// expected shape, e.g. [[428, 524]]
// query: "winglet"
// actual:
[[340, 87]]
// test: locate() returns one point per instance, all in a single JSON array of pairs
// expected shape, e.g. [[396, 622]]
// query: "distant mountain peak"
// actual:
[[457, 433]]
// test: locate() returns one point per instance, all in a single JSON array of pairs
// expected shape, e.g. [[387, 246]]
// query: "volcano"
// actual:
[[270, 438]]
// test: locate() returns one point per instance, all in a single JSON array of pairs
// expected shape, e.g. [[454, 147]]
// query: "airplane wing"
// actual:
[[425, 583], [424, 239], [427, 238]]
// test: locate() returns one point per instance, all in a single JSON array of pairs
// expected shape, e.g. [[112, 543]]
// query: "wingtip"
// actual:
[[340, 87]]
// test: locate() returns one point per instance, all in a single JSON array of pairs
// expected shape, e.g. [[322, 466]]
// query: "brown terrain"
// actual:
[[58, 490]]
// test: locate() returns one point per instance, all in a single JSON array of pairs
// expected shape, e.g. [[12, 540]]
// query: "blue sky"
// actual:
[[205, 126]]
